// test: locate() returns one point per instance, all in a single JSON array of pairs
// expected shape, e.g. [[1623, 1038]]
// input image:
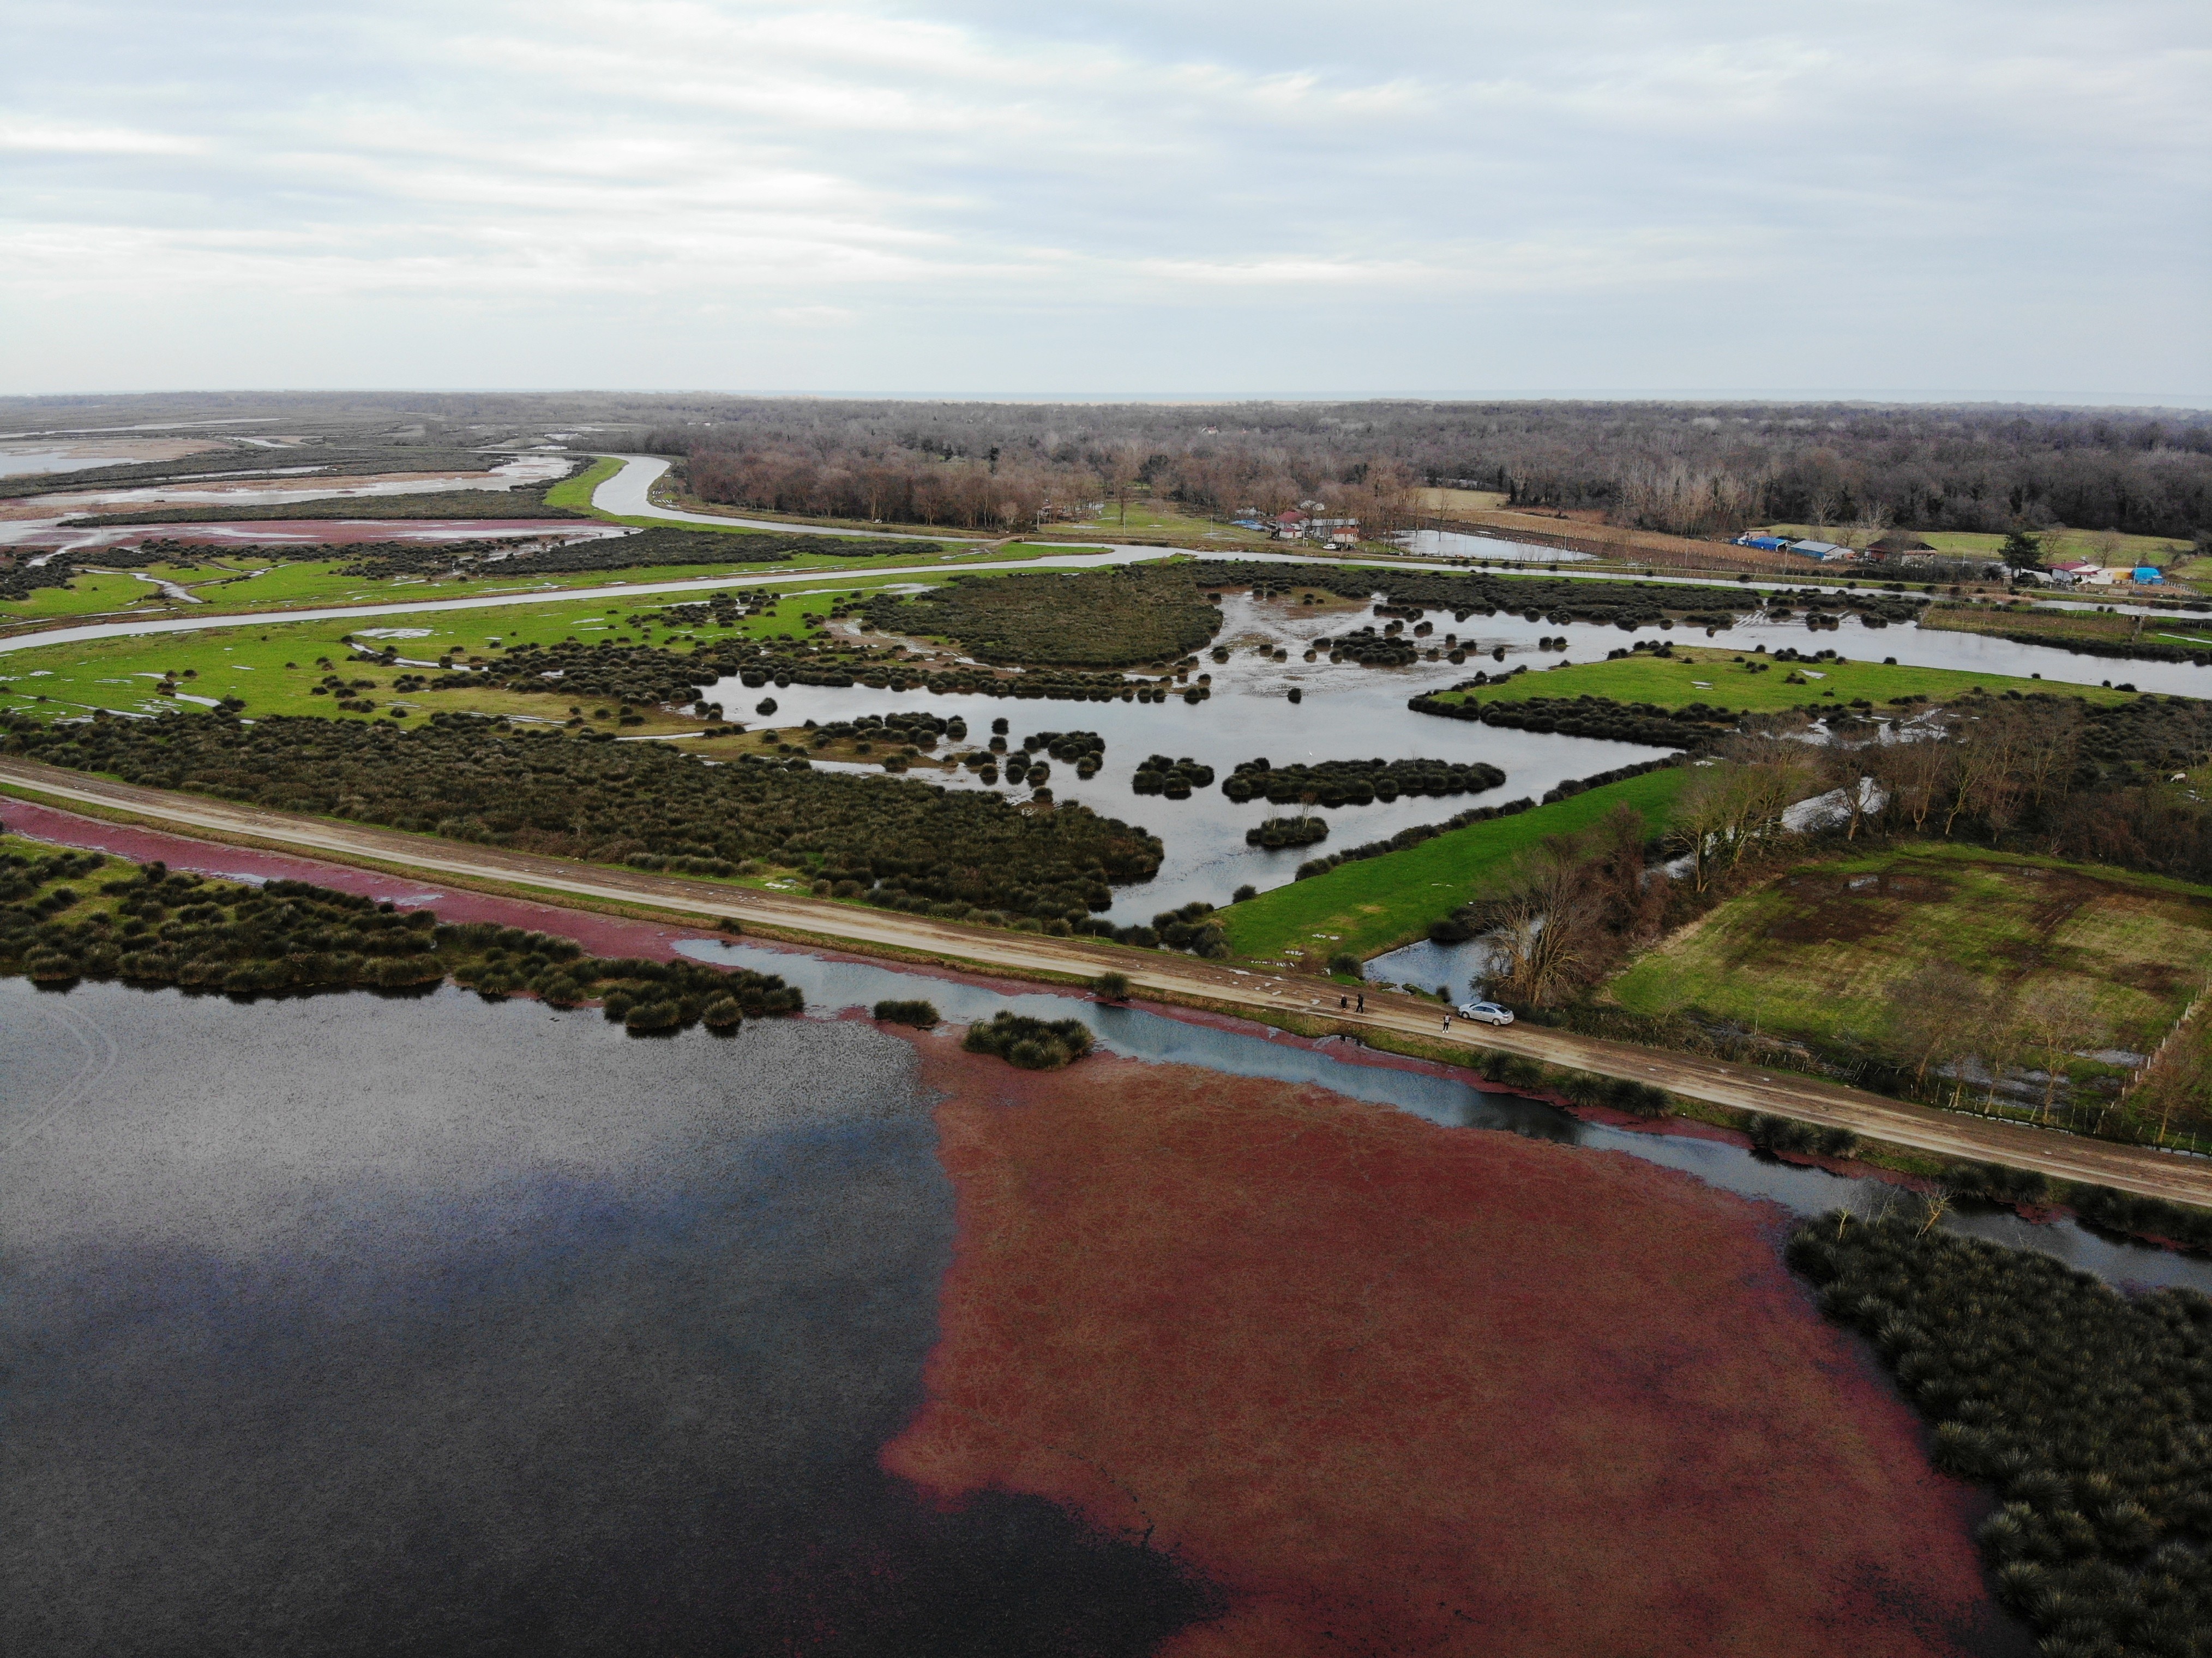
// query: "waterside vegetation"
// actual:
[[2087, 1412], [69, 915]]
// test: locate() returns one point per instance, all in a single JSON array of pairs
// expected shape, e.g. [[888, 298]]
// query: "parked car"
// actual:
[[1486, 1012]]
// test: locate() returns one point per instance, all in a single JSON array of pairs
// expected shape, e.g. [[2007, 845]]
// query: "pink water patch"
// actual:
[[340, 532]]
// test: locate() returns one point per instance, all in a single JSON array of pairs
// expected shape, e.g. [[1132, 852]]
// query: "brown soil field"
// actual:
[[1397, 1388]]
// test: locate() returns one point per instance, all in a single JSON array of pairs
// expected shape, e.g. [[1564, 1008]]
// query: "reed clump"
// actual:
[[1032, 1044], [922, 1016]]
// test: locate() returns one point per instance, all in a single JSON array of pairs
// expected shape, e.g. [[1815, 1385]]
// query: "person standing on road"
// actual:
[[1447, 1021], [1363, 1001]]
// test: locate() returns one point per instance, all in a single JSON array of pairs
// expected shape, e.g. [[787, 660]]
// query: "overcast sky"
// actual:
[[1992, 196]]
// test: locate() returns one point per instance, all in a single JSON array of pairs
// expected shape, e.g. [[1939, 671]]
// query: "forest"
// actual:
[[1688, 468], [906, 845], [1685, 467]]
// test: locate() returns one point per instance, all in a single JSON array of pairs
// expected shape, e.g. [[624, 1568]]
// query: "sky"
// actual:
[[2001, 198]]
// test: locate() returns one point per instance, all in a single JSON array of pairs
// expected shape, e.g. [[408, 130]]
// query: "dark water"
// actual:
[[441, 1326]]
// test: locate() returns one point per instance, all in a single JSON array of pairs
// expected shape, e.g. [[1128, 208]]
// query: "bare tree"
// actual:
[[1932, 1015], [1913, 770], [1543, 920], [2055, 1021]]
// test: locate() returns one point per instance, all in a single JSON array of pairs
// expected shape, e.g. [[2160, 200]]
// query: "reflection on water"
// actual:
[[1447, 1099], [1427, 965], [438, 1325]]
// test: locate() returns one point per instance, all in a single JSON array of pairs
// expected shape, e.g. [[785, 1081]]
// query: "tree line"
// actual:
[[1694, 469]]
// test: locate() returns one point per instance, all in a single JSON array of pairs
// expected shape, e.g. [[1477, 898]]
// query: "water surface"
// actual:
[[354, 1323]]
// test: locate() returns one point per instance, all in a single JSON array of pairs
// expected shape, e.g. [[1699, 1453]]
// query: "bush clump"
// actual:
[[1773, 1134], [1096, 618], [165, 927], [1692, 728], [1287, 832], [1358, 783], [1032, 1044], [922, 1016], [1175, 778]]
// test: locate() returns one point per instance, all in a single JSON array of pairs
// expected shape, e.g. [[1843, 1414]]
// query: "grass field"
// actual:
[[1448, 501], [2058, 627], [1728, 679], [575, 492], [273, 666], [1829, 952], [225, 582], [1376, 904]]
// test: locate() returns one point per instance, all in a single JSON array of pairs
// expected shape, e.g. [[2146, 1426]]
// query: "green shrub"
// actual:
[[1356, 782], [1347, 966], [1032, 1044], [922, 1016], [1111, 986], [1639, 1099]]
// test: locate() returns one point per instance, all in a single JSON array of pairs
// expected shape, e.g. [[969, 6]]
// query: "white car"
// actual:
[[1486, 1012]]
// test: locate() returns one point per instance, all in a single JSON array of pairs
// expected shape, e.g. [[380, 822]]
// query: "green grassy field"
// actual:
[[273, 666], [2057, 627], [1829, 952], [225, 583], [1378, 903], [575, 492], [1752, 682]]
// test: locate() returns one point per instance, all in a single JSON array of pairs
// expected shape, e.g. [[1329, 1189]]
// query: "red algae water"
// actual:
[[1392, 1388]]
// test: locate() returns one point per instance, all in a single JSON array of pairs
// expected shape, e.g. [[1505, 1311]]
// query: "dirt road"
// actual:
[[1172, 978]]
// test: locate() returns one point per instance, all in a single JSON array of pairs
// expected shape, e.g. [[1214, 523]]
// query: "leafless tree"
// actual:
[[2055, 1021], [1933, 1016]]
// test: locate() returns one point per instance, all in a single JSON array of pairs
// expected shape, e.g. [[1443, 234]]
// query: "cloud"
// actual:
[[1849, 191]]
